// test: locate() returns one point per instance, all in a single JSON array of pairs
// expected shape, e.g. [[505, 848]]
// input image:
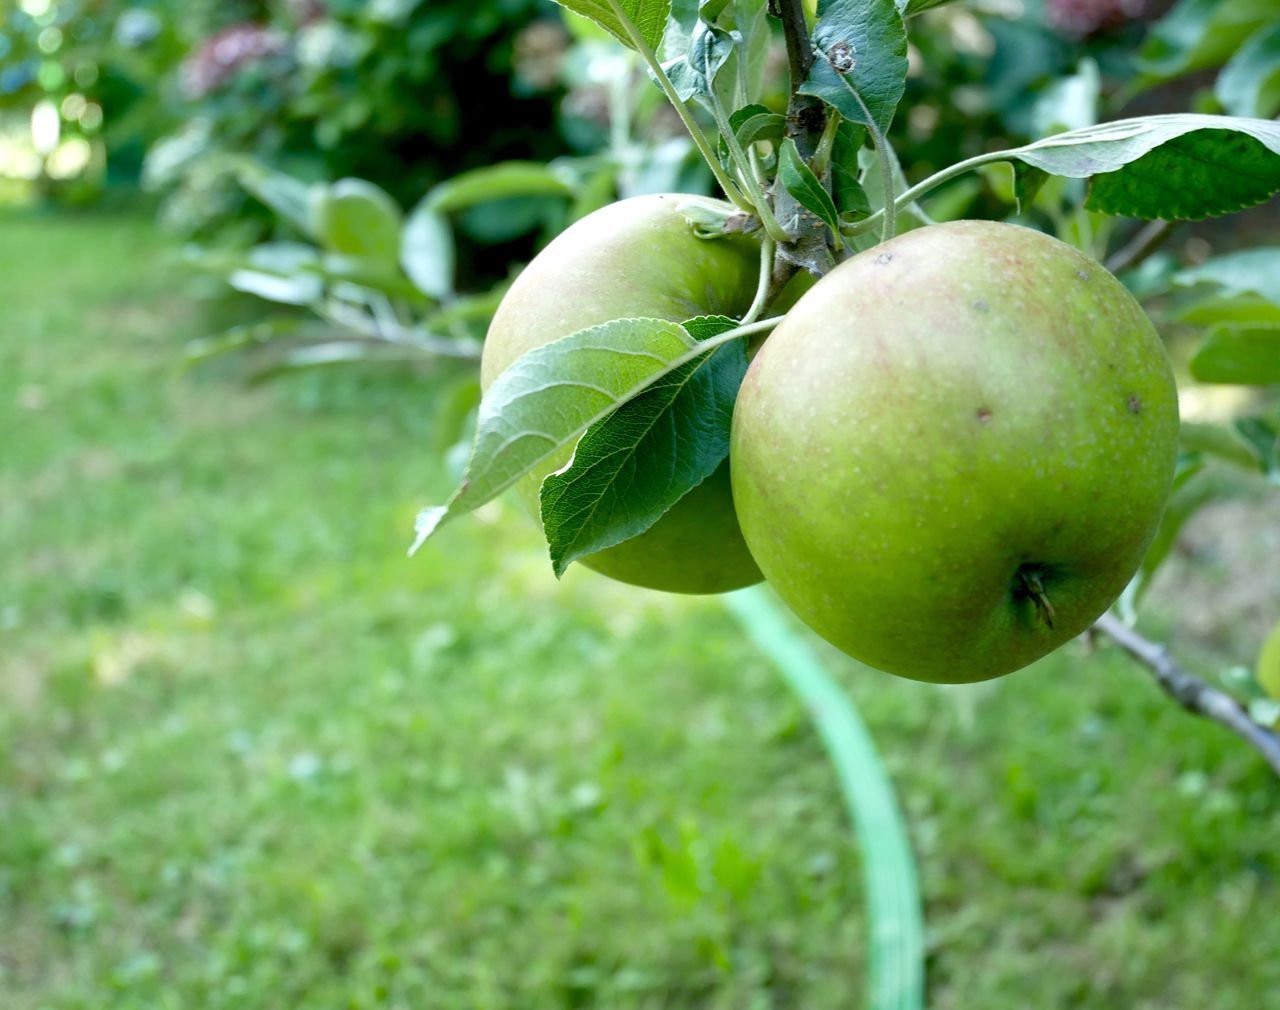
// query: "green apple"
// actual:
[[637, 257], [952, 454]]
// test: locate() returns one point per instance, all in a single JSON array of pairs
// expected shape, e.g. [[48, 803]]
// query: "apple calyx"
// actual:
[[1030, 585]]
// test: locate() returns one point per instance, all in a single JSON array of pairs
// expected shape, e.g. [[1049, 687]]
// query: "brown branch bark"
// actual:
[[806, 118], [1145, 241], [1190, 691]]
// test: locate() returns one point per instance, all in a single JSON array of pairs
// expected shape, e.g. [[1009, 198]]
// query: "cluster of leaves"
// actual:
[[391, 283], [1161, 167], [403, 93], [378, 284]]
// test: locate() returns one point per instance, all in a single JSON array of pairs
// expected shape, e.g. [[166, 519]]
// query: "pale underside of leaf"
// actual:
[[549, 396], [1175, 167], [634, 465]]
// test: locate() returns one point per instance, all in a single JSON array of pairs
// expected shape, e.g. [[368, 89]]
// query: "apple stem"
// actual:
[[1030, 583]]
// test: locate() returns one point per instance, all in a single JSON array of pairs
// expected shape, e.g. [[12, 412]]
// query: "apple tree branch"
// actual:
[[1190, 691]]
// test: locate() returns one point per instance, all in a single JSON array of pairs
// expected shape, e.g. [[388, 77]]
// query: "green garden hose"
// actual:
[[895, 924]]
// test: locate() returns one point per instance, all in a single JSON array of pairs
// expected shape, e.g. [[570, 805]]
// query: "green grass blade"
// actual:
[[896, 947]]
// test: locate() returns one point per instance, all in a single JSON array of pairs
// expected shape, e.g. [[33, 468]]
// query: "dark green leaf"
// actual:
[[1176, 167], [756, 122], [1263, 434], [358, 219], [860, 66], [548, 397], [1249, 84], [1249, 271], [648, 17], [629, 468], [850, 197], [1027, 182], [1244, 354], [798, 179], [426, 251]]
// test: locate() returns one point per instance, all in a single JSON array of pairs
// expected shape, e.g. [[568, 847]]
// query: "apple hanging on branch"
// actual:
[[949, 456]]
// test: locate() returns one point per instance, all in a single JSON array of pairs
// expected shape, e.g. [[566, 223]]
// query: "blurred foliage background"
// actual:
[[250, 758]]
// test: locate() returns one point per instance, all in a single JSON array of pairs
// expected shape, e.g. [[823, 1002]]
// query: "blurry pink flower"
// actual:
[[223, 55], [305, 11], [1088, 17]]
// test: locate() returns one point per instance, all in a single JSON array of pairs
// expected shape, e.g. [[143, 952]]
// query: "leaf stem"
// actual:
[[762, 286], [912, 194], [886, 179], [730, 188], [745, 169], [883, 153], [821, 160]]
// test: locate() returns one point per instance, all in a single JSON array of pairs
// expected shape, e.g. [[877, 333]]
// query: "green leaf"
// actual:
[[1176, 167], [1193, 488], [502, 181], [426, 251], [1222, 442], [1027, 183], [1200, 33], [798, 179], [697, 59], [756, 122], [330, 353], [752, 123], [356, 218], [283, 272], [1244, 354], [850, 197], [1263, 434], [1237, 309], [1249, 84], [630, 467], [1068, 103], [548, 397], [240, 338], [454, 411], [860, 63], [375, 275], [910, 216], [290, 198], [467, 309], [649, 17], [1250, 271]]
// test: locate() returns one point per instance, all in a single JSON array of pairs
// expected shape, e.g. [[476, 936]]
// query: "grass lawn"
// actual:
[[252, 757]]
